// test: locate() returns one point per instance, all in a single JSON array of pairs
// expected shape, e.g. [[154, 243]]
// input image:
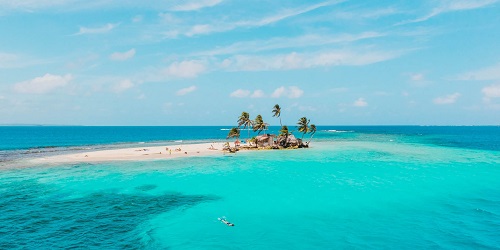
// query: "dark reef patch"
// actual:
[[36, 215]]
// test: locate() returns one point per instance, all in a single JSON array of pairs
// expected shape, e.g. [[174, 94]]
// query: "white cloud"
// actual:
[[227, 26], [360, 103], [240, 93], [287, 14], [98, 30], [6, 60], [485, 74], [451, 6], [169, 18], [187, 90], [122, 86], [366, 14], [31, 4], [185, 69], [448, 99], [137, 19], [200, 29], [243, 93], [309, 60], [10, 60], [122, 56], [278, 92], [490, 92], [43, 84], [195, 5], [309, 40], [307, 108], [295, 92], [417, 77], [258, 94], [290, 92]]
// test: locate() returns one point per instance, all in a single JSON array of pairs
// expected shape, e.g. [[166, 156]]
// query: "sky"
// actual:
[[203, 62]]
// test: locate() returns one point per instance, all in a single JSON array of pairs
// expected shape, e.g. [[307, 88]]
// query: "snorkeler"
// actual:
[[223, 220]]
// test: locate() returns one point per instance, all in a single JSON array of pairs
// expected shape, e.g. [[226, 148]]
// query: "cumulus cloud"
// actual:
[[243, 93], [122, 86], [43, 84], [360, 103], [97, 30], [448, 99], [490, 92], [122, 56], [185, 69], [278, 92], [290, 92], [240, 93], [195, 5], [257, 94], [187, 90]]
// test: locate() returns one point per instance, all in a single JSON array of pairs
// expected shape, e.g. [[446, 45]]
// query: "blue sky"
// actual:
[[202, 62]]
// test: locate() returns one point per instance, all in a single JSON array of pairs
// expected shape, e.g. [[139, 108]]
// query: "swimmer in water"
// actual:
[[223, 220]]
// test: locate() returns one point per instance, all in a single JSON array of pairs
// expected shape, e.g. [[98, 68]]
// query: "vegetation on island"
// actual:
[[285, 139]]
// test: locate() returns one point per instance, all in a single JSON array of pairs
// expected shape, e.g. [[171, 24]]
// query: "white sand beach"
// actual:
[[136, 154]]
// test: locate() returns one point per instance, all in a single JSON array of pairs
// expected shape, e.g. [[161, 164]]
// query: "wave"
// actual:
[[338, 131], [224, 129]]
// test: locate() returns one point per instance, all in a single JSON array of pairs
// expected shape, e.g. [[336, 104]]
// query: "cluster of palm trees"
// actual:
[[258, 125]]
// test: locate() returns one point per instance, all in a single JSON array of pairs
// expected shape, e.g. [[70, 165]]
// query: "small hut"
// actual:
[[292, 141], [265, 140]]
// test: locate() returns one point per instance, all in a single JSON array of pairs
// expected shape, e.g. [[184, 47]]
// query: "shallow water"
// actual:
[[360, 190]]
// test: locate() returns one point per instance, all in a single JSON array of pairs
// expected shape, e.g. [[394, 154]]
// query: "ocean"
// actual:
[[356, 187]]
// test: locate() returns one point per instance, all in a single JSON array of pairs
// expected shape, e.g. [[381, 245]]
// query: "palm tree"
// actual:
[[245, 121], [312, 131], [234, 132], [303, 126], [284, 132], [259, 124], [277, 112]]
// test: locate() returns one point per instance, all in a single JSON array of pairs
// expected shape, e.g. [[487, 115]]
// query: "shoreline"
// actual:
[[134, 154]]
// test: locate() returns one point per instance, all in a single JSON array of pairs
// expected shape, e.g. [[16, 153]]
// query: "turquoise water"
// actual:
[[396, 189]]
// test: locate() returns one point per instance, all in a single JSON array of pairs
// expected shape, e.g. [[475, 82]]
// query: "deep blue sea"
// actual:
[[357, 187]]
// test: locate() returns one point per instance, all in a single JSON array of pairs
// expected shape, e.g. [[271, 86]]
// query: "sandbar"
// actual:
[[135, 154]]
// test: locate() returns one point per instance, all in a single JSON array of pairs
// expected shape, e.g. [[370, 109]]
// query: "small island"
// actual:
[[284, 140], [265, 141]]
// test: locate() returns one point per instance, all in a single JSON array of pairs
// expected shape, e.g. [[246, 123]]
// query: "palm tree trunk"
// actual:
[[310, 139]]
